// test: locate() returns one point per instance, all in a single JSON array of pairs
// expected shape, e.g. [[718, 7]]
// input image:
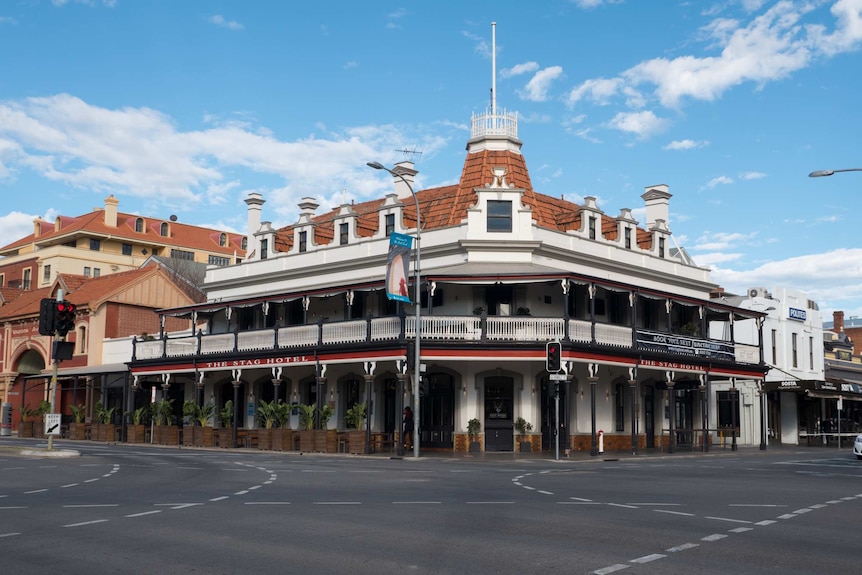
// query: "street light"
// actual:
[[822, 173], [417, 303]]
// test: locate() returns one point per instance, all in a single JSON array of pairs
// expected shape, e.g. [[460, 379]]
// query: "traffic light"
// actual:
[[64, 319], [47, 313], [553, 357]]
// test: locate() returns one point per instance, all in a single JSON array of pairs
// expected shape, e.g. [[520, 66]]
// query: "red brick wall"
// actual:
[[123, 320], [13, 274]]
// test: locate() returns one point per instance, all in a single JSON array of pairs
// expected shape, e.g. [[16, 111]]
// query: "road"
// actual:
[[134, 509]]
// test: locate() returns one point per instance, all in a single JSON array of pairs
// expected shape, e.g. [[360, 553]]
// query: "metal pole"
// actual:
[[55, 369], [594, 447], [557, 419]]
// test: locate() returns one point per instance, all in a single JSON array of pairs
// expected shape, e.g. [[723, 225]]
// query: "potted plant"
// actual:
[[26, 427], [163, 413], [106, 429], [225, 434], [522, 426], [474, 426], [523, 311], [78, 429], [137, 430], [190, 409], [325, 440], [282, 438], [202, 434], [306, 424], [267, 419], [356, 418]]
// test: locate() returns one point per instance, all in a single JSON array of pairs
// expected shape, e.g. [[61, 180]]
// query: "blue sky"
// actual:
[[185, 107]]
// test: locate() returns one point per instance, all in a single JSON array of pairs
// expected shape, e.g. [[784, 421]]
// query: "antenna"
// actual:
[[493, 69], [411, 152]]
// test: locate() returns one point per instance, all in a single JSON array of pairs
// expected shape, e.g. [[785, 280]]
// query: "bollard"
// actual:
[[601, 442]]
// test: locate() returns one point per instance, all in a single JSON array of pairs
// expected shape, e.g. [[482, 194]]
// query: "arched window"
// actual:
[[222, 240], [163, 230], [139, 225], [81, 344]]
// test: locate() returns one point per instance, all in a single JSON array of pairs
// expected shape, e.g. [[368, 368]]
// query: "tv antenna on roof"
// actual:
[[411, 153]]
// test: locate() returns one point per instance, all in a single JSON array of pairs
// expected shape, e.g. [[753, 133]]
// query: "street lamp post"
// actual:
[[822, 173], [417, 303]]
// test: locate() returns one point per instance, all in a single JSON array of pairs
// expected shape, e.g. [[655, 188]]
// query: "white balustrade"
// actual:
[[181, 347], [148, 349], [616, 335], [258, 339], [216, 343], [297, 336]]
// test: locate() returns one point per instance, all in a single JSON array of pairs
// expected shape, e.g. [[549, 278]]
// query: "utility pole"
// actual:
[[55, 368]]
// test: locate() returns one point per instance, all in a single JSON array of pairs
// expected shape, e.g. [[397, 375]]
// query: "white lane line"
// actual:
[[622, 505], [35, 491], [16, 507], [656, 504], [581, 499], [802, 511], [490, 503], [674, 512], [417, 502], [254, 487], [518, 483], [222, 498], [337, 503], [92, 505], [754, 505], [267, 502], [243, 492], [318, 471], [818, 506], [765, 522], [833, 502], [2, 535], [713, 537], [68, 485], [184, 505], [787, 516], [848, 498], [144, 513], [530, 488], [611, 569], [86, 523], [545, 492], [579, 503], [728, 519], [92, 480], [682, 547], [191, 468], [648, 558], [741, 529]]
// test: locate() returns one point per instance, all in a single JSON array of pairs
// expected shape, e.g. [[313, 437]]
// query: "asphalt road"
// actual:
[[134, 509]]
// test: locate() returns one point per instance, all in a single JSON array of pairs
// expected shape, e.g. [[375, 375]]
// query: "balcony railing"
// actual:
[[496, 329]]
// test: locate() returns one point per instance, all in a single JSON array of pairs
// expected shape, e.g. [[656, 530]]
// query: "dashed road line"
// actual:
[[2, 535], [674, 512], [611, 569], [144, 513], [727, 519], [648, 558], [83, 523], [713, 537], [683, 547]]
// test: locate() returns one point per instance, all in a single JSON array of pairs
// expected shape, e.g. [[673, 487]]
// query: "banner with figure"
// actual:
[[398, 266]]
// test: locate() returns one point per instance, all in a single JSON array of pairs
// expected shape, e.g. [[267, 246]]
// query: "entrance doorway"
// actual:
[[499, 430], [437, 417], [649, 416], [549, 415]]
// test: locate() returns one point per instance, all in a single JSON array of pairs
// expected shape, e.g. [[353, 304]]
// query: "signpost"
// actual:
[[52, 424]]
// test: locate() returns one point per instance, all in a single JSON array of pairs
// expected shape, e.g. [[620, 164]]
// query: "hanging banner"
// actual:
[[398, 266]]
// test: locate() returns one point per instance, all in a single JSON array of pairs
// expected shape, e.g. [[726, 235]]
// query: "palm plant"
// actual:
[[163, 411], [140, 414], [267, 412], [282, 413], [355, 416], [204, 413], [79, 413], [306, 416], [226, 414]]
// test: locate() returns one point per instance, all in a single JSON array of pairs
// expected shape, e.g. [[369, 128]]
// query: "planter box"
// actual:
[[356, 442], [525, 446], [78, 431], [475, 446], [264, 438], [25, 429], [225, 437], [167, 435], [136, 433], [282, 439], [106, 432], [203, 436], [321, 440], [188, 434], [306, 440]]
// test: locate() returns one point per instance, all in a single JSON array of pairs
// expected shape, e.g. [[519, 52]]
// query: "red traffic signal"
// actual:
[[553, 356], [64, 317]]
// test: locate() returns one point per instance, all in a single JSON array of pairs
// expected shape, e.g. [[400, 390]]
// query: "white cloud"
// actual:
[[519, 69], [586, 4], [721, 241], [752, 175], [642, 124], [686, 144], [220, 21], [142, 152], [17, 225], [720, 180], [598, 90], [537, 88]]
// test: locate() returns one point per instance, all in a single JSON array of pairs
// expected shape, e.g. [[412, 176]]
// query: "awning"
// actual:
[[118, 368]]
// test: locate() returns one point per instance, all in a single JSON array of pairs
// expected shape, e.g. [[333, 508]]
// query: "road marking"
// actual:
[[92, 505], [8, 535], [657, 504], [674, 512], [611, 569], [801, 511], [545, 492], [254, 487], [682, 547], [68, 485], [337, 503], [741, 529], [714, 537], [648, 558], [267, 502], [728, 519], [765, 522], [16, 507], [622, 505], [243, 492], [787, 516], [490, 502], [818, 506], [417, 502], [192, 468], [754, 505], [530, 488], [184, 505], [223, 497], [35, 491], [92, 480], [579, 503], [581, 499], [833, 502], [86, 523], [144, 513]]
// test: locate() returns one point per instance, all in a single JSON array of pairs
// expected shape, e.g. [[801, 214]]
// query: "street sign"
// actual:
[[52, 424], [558, 377]]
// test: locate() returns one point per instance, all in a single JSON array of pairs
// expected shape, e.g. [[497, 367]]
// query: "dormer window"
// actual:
[[592, 227], [499, 216], [222, 240], [390, 224], [163, 230], [139, 225], [303, 242], [661, 247], [628, 238], [244, 243], [264, 249], [343, 233]]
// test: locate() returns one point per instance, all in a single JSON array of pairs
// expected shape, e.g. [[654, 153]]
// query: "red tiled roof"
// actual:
[[180, 234], [447, 206]]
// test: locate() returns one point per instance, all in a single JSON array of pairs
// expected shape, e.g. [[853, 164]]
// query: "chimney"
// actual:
[[111, 204], [837, 320], [255, 202], [657, 200], [37, 228], [405, 170]]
